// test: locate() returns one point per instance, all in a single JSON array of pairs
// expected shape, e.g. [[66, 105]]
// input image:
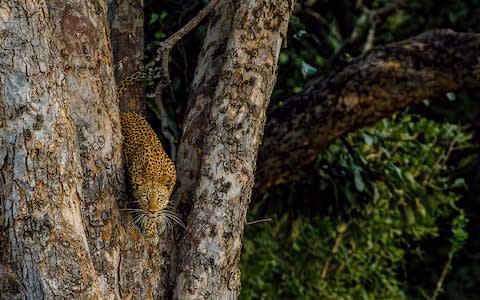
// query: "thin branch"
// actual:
[[334, 250], [161, 114], [442, 159], [163, 57], [389, 9], [369, 18], [163, 52], [440, 281], [370, 36], [258, 221]]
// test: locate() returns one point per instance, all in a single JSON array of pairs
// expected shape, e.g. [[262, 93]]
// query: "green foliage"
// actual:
[[379, 192], [156, 20], [459, 234]]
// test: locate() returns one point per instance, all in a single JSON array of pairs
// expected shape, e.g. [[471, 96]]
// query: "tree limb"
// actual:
[[222, 132], [373, 86], [163, 56], [126, 24], [163, 52]]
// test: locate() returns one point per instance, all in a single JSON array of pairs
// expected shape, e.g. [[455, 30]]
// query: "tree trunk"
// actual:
[[59, 152], [126, 31], [221, 136], [62, 235]]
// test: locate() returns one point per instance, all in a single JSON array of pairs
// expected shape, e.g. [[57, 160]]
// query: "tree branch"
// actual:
[[365, 24], [373, 86], [163, 52], [163, 56], [126, 23], [222, 132]]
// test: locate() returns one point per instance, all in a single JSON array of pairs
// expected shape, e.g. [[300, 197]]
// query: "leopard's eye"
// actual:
[[161, 197], [143, 199]]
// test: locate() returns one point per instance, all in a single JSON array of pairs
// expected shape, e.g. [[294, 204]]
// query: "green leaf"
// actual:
[[359, 184], [459, 182], [283, 58], [307, 69], [153, 18], [451, 96]]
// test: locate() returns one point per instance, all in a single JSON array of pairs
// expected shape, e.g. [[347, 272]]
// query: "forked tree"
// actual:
[[62, 182]]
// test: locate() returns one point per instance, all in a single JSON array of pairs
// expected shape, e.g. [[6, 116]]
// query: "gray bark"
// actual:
[[126, 31], [62, 178], [221, 136], [59, 151]]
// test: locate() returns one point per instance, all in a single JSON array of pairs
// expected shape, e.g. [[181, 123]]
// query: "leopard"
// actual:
[[151, 172]]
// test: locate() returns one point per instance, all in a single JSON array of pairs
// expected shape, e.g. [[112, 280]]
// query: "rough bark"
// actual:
[[221, 135], [374, 86], [126, 25], [59, 151], [61, 233]]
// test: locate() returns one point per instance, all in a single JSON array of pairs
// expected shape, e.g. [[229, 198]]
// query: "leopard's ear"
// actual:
[[166, 180], [137, 182]]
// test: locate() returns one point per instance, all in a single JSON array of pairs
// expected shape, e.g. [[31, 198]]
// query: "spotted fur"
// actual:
[[151, 172]]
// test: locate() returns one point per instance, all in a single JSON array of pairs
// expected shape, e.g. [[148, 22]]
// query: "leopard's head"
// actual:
[[153, 196], [153, 200]]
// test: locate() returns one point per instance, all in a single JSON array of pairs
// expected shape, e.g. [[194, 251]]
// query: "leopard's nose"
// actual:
[[153, 205]]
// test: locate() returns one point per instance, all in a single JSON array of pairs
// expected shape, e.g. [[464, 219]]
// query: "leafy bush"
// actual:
[[345, 232]]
